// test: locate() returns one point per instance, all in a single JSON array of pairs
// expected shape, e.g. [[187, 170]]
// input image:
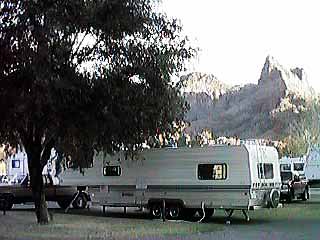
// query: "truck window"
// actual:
[[285, 167], [112, 171], [15, 163], [298, 166], [286, 176], [212, 171], [265, 170]]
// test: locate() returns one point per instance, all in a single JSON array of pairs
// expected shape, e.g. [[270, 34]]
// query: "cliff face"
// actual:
[[204, 84], [293, 81], [251, 111]]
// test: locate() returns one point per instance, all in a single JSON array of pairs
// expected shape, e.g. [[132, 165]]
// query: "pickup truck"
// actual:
[[294, 186], [63, 195]]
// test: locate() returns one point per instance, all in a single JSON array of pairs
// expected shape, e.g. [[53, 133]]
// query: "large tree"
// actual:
[[80, 75]]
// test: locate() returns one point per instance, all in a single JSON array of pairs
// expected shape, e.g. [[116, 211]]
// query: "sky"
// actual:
[[236, 36]]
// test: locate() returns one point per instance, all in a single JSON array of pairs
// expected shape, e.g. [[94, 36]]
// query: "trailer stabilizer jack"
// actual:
[[246, 215], [75, 197], [203, 212]]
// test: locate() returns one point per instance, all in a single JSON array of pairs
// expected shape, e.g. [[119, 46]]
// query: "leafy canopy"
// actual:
[[85, 74]]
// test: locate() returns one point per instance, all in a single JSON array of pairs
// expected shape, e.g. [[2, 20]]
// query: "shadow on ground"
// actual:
[[216, 219]]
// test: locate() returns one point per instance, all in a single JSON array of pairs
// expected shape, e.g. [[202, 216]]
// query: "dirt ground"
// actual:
[[299, 220]]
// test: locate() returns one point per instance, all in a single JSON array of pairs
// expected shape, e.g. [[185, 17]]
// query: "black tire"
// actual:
[[274, 198], [6, 205], [156, 211], [63, 204], [305, 195], [9, 205], [7, 202], [174, 211], [188, 213], [80, 202], [290, 196]]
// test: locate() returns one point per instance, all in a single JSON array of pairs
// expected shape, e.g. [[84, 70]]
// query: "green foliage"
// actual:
[[304, 131], [80, 75]]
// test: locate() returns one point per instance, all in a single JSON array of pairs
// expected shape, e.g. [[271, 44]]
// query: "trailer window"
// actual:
[[260, 170], [112, 171], [265, 170], [268, 171], [298, 166], [212, 171]]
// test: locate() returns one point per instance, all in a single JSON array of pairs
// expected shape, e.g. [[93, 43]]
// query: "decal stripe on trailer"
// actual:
[[181, 187]]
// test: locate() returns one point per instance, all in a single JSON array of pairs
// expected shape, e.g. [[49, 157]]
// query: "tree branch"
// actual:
[[90, 51], [77, 50]]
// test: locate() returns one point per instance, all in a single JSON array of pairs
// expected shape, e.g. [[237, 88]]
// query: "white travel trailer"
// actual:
[[312, 167], [244, 177]]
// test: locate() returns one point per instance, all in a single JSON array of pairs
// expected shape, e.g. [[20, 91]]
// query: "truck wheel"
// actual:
[[304, 195], [80, 202], [63, 204], [290, 196]]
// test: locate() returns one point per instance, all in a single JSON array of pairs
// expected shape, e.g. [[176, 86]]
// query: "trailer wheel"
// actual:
[[208, 213], [7, 202], [80, 202], [155, 210], [274, 198], [174, 211], [9, 205], [188, 213]]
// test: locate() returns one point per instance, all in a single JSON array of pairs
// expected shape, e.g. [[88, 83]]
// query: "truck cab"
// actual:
[[294, 183]]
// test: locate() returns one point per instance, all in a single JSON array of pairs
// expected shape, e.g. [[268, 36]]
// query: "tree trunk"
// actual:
[[37, 186]]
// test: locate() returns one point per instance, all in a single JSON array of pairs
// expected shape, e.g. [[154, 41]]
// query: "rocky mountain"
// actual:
[[293, 81], [203, 83], [262, 110]]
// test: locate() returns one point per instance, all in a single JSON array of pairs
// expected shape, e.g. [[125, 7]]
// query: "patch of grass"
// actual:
[[70, 226], [92, 225], [297, 211]]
